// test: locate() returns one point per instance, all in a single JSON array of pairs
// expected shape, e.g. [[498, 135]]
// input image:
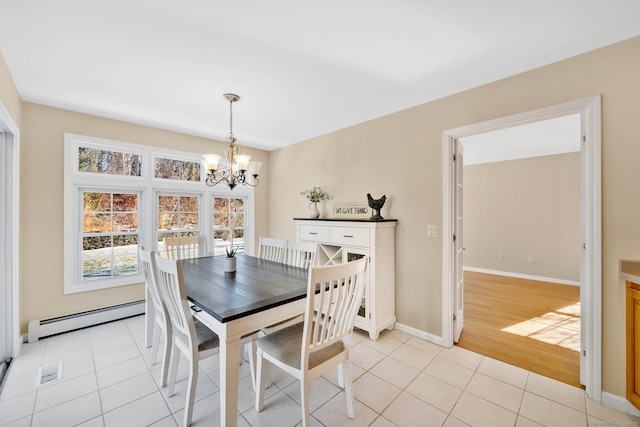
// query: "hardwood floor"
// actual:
[[531, 324]]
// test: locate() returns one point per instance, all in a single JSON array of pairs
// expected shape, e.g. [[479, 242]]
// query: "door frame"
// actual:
[[591, 268], [10, 222]]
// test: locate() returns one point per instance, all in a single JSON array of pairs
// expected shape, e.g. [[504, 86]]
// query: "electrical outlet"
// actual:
[[530, 260], [432, 231], [501, 256]]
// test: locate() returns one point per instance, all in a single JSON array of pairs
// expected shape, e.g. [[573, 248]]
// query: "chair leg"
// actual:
[[173, 370], [345, 369], [191, 390], [156, 344], [165, 359], [261, 364], [250, 347], [304, 401]]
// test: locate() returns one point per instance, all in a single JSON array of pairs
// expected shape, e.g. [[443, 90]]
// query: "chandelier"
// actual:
[[238, 168]]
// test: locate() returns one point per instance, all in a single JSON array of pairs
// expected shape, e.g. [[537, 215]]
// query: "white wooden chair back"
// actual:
[[334, 295], [185, 247], [301, 254], [172, 290], [161, 323], [151, 283], [272, 249]]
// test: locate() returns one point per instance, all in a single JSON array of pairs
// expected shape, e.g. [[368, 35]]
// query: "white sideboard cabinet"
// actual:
[[342, 241]]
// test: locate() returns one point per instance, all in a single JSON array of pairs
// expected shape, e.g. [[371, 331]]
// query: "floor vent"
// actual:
[[49, 373]]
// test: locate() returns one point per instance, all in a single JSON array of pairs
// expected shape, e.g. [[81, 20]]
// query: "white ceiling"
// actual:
[[543, 138], [302, 68]]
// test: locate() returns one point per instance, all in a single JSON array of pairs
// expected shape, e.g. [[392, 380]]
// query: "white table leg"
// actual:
[[229, 371], [149, 320]]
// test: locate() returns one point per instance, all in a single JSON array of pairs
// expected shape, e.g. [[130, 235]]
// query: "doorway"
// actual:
[[522, 246], [590, 212], [10, 343]]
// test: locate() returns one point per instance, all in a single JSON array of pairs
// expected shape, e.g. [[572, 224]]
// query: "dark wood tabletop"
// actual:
[[256, 285]]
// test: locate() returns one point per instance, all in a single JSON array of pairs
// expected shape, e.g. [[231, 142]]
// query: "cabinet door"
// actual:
[[633, 345], [353, 254]]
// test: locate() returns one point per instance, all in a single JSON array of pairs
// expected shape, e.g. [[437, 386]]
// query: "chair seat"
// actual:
[[207, 339], [286, 346]]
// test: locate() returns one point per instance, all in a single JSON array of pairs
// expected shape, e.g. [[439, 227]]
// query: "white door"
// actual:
[[458, 248], [5, 285], [584, 300]]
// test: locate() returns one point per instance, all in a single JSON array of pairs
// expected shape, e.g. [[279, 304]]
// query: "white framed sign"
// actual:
[[352, 210]]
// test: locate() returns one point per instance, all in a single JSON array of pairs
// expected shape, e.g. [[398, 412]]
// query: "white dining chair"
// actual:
[[162, 323], [272, 249], [323, 341], [298, 254], [185, 247], [190, 337], [301, 254]]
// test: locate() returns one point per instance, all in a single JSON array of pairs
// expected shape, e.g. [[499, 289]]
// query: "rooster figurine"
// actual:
[[376, 205]]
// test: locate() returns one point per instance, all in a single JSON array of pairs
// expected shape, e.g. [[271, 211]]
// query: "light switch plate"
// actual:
[[432, 231]]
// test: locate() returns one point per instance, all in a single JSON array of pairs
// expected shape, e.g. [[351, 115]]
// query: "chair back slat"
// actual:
[[185, 247], [301, 254], [272, 249], [334, 294]]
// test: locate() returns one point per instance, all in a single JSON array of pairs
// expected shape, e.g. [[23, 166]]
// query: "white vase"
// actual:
[[313, 210], [229, 264]]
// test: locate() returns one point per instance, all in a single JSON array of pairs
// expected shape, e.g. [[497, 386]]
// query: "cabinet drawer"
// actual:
[[350, 236], [314, 233]]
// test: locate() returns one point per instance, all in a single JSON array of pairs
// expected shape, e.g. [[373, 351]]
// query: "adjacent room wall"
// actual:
[[42, 209], [524, 208], [400, 155]]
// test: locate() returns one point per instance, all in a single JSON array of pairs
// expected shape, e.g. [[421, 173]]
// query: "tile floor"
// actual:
[[399, 380]]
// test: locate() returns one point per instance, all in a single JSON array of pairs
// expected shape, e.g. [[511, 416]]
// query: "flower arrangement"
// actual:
[[316, 194]]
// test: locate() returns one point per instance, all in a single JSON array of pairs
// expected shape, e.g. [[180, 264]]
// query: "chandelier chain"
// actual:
[[231, 119]]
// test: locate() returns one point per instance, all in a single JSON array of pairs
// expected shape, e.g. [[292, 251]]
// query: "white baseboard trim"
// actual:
[[522, 276], [620, 403], [420, 334], [57, 325]]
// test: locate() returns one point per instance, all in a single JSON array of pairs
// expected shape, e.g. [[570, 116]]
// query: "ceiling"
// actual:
[[302, 69], [543, 138]]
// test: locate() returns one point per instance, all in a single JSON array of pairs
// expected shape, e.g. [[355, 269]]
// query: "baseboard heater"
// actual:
[[57, 325]]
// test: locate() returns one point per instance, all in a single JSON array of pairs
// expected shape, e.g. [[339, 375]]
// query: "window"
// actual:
[[109, 234], [119, 196], [178, 216], [228, 223], [97, 160], [181, 170]]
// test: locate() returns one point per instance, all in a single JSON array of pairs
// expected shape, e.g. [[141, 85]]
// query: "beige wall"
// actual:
[[8, 93], [522, 208], [42, 210], [400, 155]]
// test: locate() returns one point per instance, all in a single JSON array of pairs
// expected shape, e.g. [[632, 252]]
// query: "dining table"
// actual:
[[258, 294]]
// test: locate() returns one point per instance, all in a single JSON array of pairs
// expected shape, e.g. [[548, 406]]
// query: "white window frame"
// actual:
[[149, 188]]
